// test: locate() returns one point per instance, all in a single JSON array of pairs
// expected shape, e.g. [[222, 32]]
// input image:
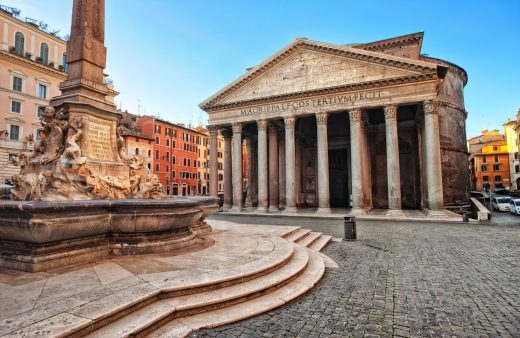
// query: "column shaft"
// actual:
[[392, 158], [323, 163], [237, 167], [262, 166], [356, 160], [433, 156], [273, 169], [228, 170], [213, 161], [281, 170], [290, 164]]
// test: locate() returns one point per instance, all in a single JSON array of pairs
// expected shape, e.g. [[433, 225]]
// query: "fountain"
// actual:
[[79, 196]]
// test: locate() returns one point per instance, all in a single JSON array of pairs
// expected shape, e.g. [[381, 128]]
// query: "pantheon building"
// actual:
[[361, 126]]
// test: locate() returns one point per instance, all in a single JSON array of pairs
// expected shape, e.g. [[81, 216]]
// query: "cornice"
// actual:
[[346, 51], [32, 64], [329, 90], [454, 106], [383, 44]]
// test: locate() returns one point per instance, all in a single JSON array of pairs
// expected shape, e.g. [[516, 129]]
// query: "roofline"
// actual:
[[464, 73], [395, 40], [172, 124], [29, 26]]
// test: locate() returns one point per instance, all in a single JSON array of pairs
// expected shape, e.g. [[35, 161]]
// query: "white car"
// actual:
[[501, 203], [514, 206]]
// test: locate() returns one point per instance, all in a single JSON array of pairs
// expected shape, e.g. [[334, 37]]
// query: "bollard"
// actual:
[[465, 216], [350, 228]]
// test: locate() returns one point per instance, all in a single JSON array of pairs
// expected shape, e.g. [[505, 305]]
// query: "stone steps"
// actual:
[[297, 235], [320, 243], [184, 326], [309, 239], [164, 310]]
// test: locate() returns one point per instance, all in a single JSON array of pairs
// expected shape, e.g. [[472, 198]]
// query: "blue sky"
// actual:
[[171, 55]]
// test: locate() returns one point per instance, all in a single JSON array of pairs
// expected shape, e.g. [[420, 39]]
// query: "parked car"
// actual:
[[501, 203], [503, 192], [481, 196], [514, 206]]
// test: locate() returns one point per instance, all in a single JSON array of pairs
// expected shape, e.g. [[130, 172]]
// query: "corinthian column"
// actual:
[[433, 156], [228, 165], [323, 163], [290, 165], [356, 162], [262, 165], [392, 160], [237, 167], [273, 169], [213, 161]]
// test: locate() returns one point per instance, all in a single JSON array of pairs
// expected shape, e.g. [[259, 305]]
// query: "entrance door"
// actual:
[[338, 178]]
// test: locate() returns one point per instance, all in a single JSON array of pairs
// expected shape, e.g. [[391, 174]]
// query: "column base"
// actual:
[[273, 209], [226, 207], [436, 213], [395, 212], [323, 211], [358, 211], [236, 208], [290, 210], [261, 209]]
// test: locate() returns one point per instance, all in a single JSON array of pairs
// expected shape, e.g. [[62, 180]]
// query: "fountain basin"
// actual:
[[36, 236]]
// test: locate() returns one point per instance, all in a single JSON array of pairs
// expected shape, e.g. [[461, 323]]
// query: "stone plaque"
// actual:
[[99, 141]]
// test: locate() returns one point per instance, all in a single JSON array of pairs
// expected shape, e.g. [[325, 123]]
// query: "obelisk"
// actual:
[[84, 93]]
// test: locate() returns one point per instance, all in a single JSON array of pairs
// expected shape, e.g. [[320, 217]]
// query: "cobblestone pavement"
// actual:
[[406, 280]]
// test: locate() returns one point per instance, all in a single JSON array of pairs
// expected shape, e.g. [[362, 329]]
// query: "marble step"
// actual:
[[309, 239], [298, 235], [154, 315], [320, 243], [181, 327]]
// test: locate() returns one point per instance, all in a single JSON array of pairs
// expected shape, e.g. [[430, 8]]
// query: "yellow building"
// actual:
[[32, 65], [491, 166]]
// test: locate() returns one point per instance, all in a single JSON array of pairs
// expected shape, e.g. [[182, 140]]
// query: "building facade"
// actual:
[[511, 136], [32, 65], [366, 126], [140, 145], [175, 154], [491, 167]]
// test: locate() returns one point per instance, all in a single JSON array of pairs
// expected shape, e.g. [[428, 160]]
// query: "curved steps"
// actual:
[[226, 283]]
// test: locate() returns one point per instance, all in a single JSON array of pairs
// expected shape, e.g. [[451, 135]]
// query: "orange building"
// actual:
[[491, 166], [175, 154]]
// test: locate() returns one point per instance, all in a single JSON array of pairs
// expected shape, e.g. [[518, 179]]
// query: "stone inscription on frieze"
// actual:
[[312, 103], [100, 141]]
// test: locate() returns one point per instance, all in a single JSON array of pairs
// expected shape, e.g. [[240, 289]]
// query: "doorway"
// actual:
[[338, 185]]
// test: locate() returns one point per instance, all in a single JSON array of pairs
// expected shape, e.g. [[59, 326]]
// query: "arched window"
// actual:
[[19, 43], [64, 62], [44, 53], [137, 151]]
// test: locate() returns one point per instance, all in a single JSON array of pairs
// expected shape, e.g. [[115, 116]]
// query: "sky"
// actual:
[[167, 56]]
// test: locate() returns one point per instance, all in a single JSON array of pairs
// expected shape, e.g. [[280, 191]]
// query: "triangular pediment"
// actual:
[[306, 66]]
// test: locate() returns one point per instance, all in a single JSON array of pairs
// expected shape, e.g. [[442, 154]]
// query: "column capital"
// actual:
[[262, 124], [226, 133], [355, 115], [289, 122], [321, 118], [213, 130], [237, 127], [430, 107], [390, 112]]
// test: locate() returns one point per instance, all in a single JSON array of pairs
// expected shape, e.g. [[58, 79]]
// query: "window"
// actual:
[[17, 83], [189, 162], [42, 91], [220, 177], [485, 178], [496, 167], [156, 166], [173, 174], [484, 159], [40, 111], [173, 145], [156, 154], [64, 62], [149, 153], [157, 129], [517, 168], [149, 166], [496, 158], [44, 53], [498, 178], [173, 159], [137, 151], [484, 167], [16, 107], [219, 166], [168, 156], [184, 161], [516, 155], [157, 140], [14, 132], [19, 43], [167, 142], [167, 168]]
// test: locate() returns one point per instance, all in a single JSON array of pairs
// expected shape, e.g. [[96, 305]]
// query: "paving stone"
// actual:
[[407, 279]]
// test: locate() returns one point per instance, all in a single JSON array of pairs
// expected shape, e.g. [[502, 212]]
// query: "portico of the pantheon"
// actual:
[[364, 126]]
